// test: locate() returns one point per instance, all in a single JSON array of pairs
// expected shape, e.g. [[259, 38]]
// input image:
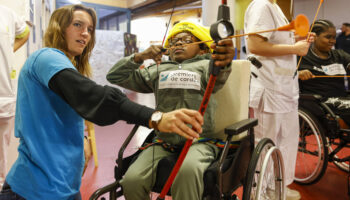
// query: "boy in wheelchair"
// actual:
[[324, 61], [177, 83]]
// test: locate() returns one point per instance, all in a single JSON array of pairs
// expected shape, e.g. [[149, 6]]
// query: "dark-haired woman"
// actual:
[[53, 98], [323, 60]]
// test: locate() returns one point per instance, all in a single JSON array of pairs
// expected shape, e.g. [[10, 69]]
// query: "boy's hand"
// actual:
[[176, 122], [153, 52], [224, 52]]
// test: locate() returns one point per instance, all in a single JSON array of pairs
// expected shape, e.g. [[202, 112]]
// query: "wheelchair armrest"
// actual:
[[111, 188], [310, 97], [317, 99], [240, 127], [125, 144]]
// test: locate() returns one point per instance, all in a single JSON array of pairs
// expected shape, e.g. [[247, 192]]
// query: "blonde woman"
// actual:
[[54, 96]]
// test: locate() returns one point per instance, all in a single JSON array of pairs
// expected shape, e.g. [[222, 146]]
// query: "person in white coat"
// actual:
[[14, 32], [274, 88]]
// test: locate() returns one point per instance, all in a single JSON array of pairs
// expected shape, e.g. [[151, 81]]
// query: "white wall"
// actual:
[[336, 11], [149, 30]]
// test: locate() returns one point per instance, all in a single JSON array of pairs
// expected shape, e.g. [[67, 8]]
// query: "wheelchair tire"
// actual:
[[312, 158], [254, 186]]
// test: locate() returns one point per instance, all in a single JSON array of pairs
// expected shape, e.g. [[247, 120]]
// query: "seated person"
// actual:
[[322, 60], [177, 83]]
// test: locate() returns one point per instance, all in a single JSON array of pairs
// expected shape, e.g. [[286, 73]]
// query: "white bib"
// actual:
[[179, 79], [334, 69]]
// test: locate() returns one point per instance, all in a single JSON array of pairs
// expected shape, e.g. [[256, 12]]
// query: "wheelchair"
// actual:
[[321, 140], [245, 166]]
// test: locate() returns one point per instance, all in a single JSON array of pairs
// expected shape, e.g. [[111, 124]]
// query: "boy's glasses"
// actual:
[[187, 39]]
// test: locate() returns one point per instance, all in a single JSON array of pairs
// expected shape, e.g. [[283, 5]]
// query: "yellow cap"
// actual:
[[200, 32]]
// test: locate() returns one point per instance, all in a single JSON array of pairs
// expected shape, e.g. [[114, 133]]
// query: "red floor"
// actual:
[[109, 139], [332, 186]]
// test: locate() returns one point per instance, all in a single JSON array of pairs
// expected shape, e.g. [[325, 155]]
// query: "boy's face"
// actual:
[[180, 53]]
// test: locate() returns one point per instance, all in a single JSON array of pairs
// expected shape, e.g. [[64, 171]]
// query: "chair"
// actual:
[[244, 168], [92, 141], [321, 140]]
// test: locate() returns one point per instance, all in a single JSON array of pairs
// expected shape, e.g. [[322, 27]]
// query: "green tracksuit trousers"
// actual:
[[188, 184]]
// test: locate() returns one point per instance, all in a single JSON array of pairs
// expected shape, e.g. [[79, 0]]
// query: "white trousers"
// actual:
[[283, 130], [6, 131]]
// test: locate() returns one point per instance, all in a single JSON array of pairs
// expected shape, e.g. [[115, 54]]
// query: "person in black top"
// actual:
[[322, 60], [343, 40]]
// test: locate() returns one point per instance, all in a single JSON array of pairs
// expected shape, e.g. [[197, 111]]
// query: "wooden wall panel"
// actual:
[[285, 5]]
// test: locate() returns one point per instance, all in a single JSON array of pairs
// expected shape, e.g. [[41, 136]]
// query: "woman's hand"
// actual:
[[153, 52], [177, 122], [224, 52], [305, 75], [310, 38], [302, 47]]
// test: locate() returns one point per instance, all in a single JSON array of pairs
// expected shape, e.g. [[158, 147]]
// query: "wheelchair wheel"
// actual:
[[312, 158], [341, 154], [258, 181]]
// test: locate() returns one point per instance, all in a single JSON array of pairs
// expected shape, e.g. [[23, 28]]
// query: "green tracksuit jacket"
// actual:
[[187, 91]]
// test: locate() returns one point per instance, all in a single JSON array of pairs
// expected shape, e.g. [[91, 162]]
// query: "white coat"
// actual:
[[11, 26], [275, 84], [274, 92]]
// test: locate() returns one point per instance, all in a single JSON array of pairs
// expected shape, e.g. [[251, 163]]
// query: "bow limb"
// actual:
[[167, 27], [312, 26]]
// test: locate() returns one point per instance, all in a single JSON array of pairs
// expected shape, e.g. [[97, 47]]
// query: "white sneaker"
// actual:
[[292, 194], [270, 194]]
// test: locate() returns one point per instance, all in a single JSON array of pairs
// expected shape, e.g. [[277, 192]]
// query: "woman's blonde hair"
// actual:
[[55, 35]]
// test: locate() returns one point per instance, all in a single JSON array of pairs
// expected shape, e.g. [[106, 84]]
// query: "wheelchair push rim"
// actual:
[[312, 157], [265, 156]]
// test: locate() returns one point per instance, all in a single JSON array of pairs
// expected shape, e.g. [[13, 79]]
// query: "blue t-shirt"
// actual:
[[50, 161]]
